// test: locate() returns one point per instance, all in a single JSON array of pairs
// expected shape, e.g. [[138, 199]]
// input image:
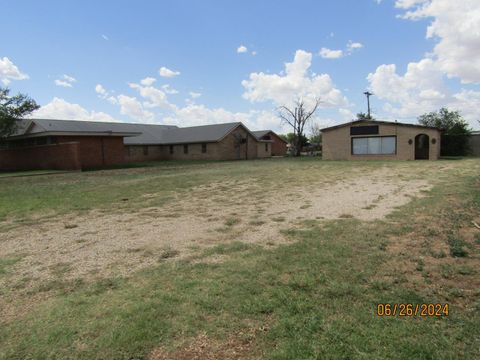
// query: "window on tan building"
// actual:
[[145, 150], [375, 145], [171, 149], [204, 148], [185, 149], [266, 147]]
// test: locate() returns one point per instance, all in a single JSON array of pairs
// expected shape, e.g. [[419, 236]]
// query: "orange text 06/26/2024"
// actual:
[[405, 310]]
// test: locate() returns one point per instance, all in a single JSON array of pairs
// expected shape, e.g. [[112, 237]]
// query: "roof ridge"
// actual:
[[100, 122]]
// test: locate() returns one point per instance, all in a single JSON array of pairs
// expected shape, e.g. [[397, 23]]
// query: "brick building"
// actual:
[[279, 145], [76, 145], [380, 140]]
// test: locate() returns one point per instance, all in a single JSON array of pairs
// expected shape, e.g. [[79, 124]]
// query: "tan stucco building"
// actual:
[[380, 140]]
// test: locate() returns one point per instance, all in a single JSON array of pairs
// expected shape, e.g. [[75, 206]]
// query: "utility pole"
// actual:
[[368, 94]]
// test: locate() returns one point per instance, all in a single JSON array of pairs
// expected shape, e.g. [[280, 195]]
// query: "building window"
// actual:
[[266, 147], [364, 130], [204, 148], [378, 145], [171, 149], [185, 149], [145, 150]]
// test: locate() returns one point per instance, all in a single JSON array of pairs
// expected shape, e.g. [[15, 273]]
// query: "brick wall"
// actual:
[[227, 149], [98, 151], [264, 149], [64, 156], [279, 147], [139, 153], [336, 143]]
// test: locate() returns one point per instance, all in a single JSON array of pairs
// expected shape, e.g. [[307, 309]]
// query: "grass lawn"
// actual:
[[312, 295], [4, 174]]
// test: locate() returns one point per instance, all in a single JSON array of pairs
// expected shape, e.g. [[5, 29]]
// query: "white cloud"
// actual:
[[194, 114], [421, 89], [155, 97], [165, 72], [9, 71], [330, 54], [105, 37], [148, 81], [296, 82], [254, 53], [105, 94], [99, 89], [352, 46], [65, 81], [347, 114], [60, 109], [132, 108], [169, 90], [194, 95], [242, 49], [455, 27]]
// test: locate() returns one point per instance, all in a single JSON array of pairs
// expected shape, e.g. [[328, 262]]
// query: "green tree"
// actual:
[[455, 130], [291, 138], [13, 108], [315, 134], [363, 116]]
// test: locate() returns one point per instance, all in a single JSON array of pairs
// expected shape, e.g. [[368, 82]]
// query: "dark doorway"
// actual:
[[422, 147]]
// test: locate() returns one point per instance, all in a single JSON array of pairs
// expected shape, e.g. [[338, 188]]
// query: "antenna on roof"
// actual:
[[368, 94]]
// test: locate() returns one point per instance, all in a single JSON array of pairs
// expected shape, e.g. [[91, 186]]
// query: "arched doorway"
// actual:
[[422, 147]]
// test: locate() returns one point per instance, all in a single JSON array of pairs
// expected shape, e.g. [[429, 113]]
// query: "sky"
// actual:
[[195, 62]]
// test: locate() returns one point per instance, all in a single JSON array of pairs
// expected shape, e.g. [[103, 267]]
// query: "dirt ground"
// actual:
[[101, 244]]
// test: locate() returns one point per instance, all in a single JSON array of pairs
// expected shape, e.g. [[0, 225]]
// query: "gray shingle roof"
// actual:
[[137, 134], [193, 134], [260, 133]]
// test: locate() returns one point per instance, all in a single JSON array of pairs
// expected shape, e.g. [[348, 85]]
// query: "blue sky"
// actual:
[[226, 60]]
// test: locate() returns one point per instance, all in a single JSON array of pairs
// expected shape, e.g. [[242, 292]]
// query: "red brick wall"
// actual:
[[279, 147], [96, 151], [55, 157], [70, 153]]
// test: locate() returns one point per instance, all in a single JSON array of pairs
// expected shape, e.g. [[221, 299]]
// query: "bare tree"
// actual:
[[297, 118]]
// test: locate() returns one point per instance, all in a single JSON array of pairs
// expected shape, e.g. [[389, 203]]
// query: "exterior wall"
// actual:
[[98, 151], [194, 152], [279, 147], [136, 153], [64, 156], [226, 149], [336, 143], [474, 143], [264, 149]]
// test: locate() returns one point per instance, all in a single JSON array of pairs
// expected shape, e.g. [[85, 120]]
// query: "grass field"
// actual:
[[275, 259]]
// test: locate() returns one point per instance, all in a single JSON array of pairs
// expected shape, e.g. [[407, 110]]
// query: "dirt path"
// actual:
[[99, 244]]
